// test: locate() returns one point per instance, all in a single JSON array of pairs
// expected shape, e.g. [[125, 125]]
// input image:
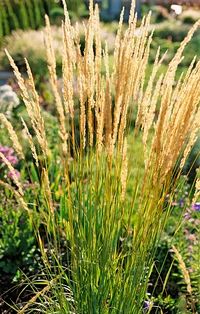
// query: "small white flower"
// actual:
[[4, 89], [8, 100]]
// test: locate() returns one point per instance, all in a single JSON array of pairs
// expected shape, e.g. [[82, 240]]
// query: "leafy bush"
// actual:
[[166, 45], [194, 47], [17, 241], [168, 283], [20, 45], [20, 14], [190, 16], [169, 41], [159, 13], [174, 31], [16, 14]]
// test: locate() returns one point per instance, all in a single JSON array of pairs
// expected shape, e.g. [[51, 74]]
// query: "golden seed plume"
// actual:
[[108, 103], [177, 125], [196, 197], [30, 140], [47, 189], [18, 196], [124, 169], [183, 269], [36, 115], [31, 101], [53, 78], [13, 136]]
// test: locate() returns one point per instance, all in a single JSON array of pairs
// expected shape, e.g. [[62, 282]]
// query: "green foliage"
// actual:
[[190, 16], [166, 45], [194, 47], [174, 31], [182, 230], [20, 14], [17, 241], [19, 45], [25, 14], [193, 162], [168, 39], [99, 261], [159, 13]]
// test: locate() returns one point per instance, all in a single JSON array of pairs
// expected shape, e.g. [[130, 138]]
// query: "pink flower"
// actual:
[[12, 174], [12, 159], [8, 152], [192, 237]]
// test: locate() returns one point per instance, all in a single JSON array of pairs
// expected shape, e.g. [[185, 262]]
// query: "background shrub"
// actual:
[[25, 14]]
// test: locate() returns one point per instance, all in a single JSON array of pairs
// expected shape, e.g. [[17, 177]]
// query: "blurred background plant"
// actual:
[[26, 14]]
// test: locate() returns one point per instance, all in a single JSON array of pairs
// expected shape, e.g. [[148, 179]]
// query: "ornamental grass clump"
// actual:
[[110, 217]]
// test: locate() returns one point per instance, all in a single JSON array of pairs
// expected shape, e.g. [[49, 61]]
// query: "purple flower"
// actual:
[[196, 207], [181, 202], [146, 306]]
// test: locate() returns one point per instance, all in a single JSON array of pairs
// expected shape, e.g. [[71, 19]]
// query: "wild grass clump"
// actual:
[[82, 191]]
